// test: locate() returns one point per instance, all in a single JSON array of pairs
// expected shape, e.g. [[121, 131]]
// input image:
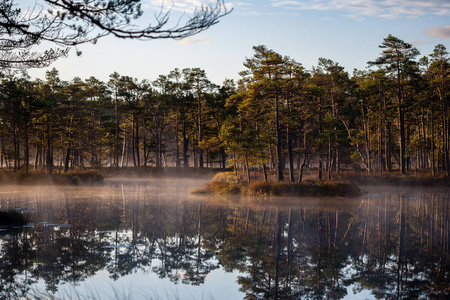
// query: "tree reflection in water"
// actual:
[[393, 245]]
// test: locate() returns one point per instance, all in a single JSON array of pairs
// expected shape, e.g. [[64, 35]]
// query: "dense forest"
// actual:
[[393, 116]]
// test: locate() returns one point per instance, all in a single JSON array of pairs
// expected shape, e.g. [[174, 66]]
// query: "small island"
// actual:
[[232, 184], [348, 184]]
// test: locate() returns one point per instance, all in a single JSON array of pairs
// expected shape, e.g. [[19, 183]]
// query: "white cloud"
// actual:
[[187, 6], [197, 39], [441, 32], [376, 8]]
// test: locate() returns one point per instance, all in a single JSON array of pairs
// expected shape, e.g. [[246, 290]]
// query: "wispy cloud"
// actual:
[[186, 6], [242, 7], [198, 39], [375, 8], [440, 32]]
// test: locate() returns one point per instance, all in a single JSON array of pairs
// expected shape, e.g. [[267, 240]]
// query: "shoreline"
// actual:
[[219, 178]]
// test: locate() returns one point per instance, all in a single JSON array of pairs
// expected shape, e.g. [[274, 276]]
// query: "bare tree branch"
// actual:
[[67, 23]]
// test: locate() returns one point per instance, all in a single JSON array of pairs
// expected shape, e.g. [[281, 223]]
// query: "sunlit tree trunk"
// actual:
[[27, 148], [185, 146], [278, 136], [290, 154], [116, 119]]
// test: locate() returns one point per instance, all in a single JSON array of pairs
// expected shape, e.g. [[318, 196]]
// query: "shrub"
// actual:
[[223, 188], [226, 177]]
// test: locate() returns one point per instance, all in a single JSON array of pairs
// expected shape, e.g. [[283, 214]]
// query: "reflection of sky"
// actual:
[[144, 283], [363, 295], [351, 295], [219, 285]]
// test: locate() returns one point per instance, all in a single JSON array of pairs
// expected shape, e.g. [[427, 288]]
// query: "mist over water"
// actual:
[[151, 239]]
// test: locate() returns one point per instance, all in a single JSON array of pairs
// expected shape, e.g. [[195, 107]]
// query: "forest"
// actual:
[[279, 117]]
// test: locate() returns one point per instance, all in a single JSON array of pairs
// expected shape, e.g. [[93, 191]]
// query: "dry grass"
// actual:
[[306, 188], [218, 188], [230, 184], [226, 177]]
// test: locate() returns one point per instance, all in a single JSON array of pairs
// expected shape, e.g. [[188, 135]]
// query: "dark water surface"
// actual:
[[152, 240]]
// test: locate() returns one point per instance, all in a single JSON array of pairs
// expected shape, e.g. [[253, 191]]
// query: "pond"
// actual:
[[150, 239]]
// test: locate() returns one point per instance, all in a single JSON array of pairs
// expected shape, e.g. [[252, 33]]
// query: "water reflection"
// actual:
[[394, 245]]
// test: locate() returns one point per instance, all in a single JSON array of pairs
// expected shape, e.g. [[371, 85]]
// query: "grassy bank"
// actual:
[[41, 178], [153, 172], [228, 183], [394, 179]]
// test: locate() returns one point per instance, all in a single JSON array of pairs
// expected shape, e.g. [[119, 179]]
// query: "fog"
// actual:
[[145, 238]]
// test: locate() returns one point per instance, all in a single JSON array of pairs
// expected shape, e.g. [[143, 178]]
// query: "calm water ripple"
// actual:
[[143, 242]]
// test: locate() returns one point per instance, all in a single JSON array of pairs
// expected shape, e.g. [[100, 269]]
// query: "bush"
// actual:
[[226, 177], [223, 188]]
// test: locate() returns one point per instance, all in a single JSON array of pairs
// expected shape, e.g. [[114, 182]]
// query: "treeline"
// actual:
[[279, 116]]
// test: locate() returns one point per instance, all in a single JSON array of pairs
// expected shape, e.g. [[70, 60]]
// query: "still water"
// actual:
[[152, 240]]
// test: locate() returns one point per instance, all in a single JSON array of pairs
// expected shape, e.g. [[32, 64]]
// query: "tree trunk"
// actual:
[[133, 139], [157, 152], [380, 140], [402, 129], [329, 158], [138, 156], [248, 170], [223, 157], [388, 148], [116, 117], [27, 149], [265, 172], [177, 151], [15, 153], [67, 160], [290, 155], [49, 160], [278, 135], [200, 137], [185, 147], [123, 148]]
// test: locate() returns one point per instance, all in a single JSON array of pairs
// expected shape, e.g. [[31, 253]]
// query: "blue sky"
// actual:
[[347, 32]]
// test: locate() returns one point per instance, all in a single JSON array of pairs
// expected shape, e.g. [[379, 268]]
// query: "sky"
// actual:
[[345, 31]]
